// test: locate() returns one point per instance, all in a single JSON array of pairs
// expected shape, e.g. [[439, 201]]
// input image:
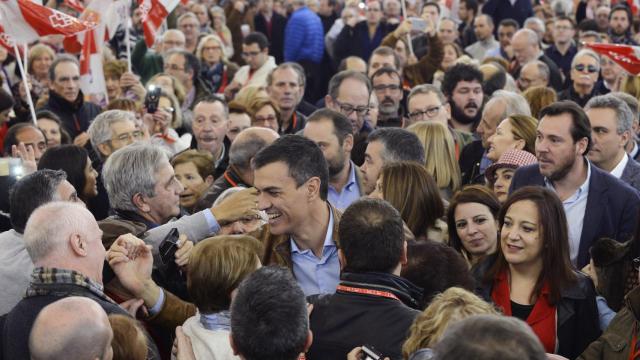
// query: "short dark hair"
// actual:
[[191, 62], [269, 318], [580, 124], [341, 125], [387, 71], [434, 4], [566, 18], [302, 78], [337, 79], [457, 73], [371, 236], [72, 160], [435, 267], [471, 5], [399, 144], [61, 58], [212, 99], [488, 337], [11, 138], [31, 192], [256, 38], [509, 23], [303, 158], [496, 81], [385, 51], [622, 7]]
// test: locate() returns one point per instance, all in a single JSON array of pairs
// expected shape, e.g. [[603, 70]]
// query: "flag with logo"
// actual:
[[154, 12], [627, 56], [26, 21]]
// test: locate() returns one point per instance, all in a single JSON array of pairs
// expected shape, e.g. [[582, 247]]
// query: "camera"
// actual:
[[169, 246], [152, 98]]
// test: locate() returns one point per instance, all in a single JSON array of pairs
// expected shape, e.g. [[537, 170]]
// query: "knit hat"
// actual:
[[511, 159], [6, 100]]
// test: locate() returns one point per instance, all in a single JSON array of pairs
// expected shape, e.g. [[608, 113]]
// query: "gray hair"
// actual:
[[532, 36], [586, 52], [535, 20], [100, 129], [186, 16], [595, 34], [302, 79], [50, 226], [130, 171], [543, 69], [427, 89], [631, 101], [455, 23], [562, 7], [515, 104], [337, 79], [624, 115], [241, 152], [61, 58]]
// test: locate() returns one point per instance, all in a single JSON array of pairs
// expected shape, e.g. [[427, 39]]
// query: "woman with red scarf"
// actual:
[[531, 276]]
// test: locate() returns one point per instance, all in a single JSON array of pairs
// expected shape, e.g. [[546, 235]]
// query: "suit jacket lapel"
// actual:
[[592, 214]]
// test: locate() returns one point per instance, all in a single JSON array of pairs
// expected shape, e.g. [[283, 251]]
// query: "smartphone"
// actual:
[[169, 246], [370, 353], [418, 24]]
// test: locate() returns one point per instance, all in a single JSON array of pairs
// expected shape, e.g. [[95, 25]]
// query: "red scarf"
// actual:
[[543, 316]]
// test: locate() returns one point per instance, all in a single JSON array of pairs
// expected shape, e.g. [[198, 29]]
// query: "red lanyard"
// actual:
[[295, 121], [384, 294], [634, 353], [228, 178]]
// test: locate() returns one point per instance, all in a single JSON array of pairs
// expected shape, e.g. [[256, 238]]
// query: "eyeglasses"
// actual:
[[429, 112], [173, 67], [583, 67], [134, 135], [348, 109], [268, 118], [382, 88], [250, 54], [636, 263]]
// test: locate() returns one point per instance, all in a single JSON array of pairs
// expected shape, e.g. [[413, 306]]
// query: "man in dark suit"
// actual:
[[272, 25], [526, 48], [611, 121], [596, 203]]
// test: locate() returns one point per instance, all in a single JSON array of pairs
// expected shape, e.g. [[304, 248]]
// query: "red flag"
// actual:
[[26, 21], [75, 5], [626, 56], [153, 14]]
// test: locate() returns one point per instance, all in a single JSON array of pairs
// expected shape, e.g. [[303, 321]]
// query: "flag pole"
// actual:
[[126, 38], [26, 56], [404, 13], [26, 83]]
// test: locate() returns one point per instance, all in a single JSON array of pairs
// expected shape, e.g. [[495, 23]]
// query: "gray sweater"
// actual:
[[15, 269]]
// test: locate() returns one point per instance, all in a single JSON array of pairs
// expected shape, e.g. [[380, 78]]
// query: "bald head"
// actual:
[[247, 144], [73, 325], [173, 39], [65, 235], [526, 45]]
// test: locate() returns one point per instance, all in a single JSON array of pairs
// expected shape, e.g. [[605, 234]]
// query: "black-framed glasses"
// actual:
[[636, 263], [583, 67], [429, 112], [348, 109]]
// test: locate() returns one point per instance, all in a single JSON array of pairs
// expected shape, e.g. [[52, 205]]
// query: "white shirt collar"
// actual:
[[617, 171]]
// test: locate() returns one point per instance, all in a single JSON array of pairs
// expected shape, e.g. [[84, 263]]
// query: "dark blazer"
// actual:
[[612, 207], [276, 38], [631, 174], [470, 158], [502, 9], [576, 312]]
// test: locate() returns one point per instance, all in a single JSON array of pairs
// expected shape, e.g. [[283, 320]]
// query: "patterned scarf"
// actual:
[[48, 281]]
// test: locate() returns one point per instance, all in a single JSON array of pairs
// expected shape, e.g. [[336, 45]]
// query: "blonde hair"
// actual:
[[215, 38], [246, 95], [451, 306], [178, 89], [524, 127], [440, 153], [38, 51]]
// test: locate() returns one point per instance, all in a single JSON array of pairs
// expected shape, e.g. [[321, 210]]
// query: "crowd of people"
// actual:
[[322, 179]]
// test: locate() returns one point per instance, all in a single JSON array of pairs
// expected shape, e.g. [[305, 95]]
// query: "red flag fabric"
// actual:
[[75, 5], [26, 21], [153, 14], [627, 56]]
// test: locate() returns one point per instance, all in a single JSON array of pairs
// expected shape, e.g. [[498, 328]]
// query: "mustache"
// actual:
[[471, 105]]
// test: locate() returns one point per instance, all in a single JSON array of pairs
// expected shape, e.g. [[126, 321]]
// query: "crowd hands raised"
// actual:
[[327, 180]]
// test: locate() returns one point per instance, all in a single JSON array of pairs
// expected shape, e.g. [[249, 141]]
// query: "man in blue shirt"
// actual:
[[333, 133], [292, 178]]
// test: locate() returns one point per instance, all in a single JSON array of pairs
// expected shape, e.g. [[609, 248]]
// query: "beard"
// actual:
[[336, 165], [562, 171], [458, 114]]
